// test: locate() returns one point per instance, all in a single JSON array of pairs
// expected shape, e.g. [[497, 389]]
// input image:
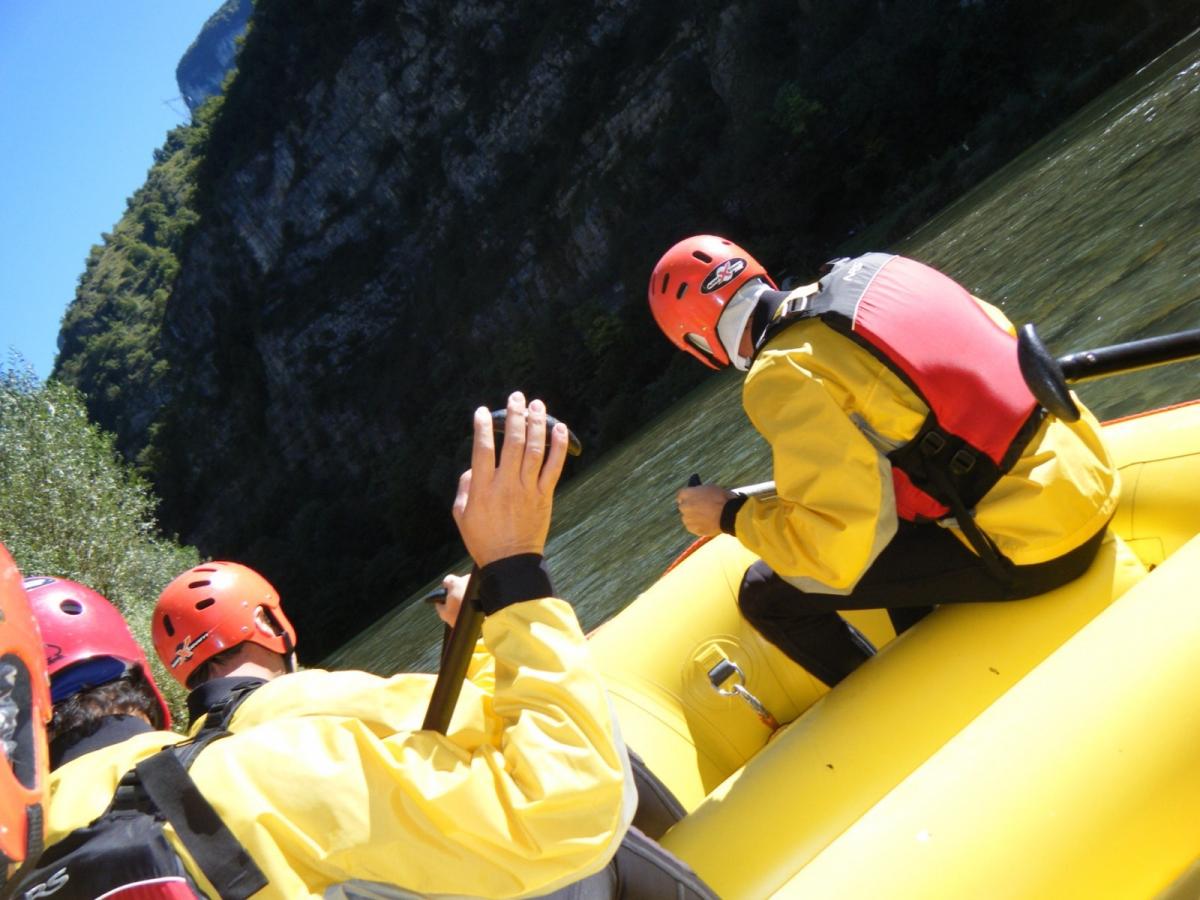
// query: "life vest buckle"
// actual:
[[962, 462], [932, 443]]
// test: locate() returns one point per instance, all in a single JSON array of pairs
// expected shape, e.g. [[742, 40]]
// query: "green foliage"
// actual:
[[795, 112], [109, 343], [70, 507]]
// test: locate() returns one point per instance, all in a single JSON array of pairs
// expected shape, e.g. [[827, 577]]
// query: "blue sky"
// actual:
[[87, 92]]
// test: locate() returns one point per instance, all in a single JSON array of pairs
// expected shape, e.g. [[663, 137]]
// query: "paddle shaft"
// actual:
[[1133, 356], [456, 658]]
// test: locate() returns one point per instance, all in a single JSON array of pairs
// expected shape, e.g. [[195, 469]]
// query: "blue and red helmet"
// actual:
[[87, 640]]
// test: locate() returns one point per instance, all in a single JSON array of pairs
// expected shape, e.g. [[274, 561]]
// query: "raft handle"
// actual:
[[723, 672]]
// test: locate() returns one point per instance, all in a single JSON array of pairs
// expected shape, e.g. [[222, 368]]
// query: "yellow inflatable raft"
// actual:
[[1048, 747]]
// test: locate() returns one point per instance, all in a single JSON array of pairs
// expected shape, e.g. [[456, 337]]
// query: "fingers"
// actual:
[[464, 490], [550, 472], [514, 434], [503, 509], [483, 450], [447, 610], [524, 449], [456, 586], [535, 442]]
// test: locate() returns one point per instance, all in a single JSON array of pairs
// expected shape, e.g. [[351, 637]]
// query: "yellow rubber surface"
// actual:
[[989, 734]]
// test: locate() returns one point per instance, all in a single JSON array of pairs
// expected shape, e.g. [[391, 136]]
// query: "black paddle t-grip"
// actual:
[[499, 416], [1044, 376]]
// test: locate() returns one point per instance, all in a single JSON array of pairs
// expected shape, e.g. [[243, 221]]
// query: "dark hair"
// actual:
[[81, 714], [203, 672]]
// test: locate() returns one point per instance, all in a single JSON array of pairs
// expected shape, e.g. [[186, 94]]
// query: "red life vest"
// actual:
[[929, 331]]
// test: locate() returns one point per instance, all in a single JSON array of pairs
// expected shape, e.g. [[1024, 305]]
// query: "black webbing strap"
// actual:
[[998, 567], [35, 847], [218, 716], [218, 854]]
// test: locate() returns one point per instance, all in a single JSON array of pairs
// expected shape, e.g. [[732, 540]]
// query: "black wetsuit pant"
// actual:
[[922, 566]]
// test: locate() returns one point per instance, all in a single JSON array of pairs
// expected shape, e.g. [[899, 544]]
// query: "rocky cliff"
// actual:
[[407, 209], [203, 67]]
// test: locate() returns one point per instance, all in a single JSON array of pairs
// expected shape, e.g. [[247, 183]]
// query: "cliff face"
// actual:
[[407, 209], [211, 56], [469, 201]]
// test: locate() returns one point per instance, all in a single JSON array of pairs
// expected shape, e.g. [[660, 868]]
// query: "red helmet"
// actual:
[[25, 708], [691, 287], [87, 640], [211, 608]]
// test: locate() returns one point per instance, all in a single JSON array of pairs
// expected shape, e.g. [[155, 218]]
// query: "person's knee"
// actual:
[[758, 592]]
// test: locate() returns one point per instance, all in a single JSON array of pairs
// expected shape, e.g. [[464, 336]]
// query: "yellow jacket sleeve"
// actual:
[[835, 509], [529, 791]]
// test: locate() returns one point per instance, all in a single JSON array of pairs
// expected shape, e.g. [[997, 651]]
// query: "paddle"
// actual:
[[574, 448], [456, 657], [762, 489], [1048, 377], [746, 490]]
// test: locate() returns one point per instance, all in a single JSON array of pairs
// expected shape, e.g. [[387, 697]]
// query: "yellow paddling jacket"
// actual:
[[334, 790], [831, 411]]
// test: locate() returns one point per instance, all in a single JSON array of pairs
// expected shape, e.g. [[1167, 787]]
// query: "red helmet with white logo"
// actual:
[[211, 608], [25, 710], [87, 640], [691, 287]]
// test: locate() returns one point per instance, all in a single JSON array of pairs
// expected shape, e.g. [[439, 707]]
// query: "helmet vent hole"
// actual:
[[205, 603], [682, 290], [71, 607], [699, 343], [702, 256], [204, 569], [666, 281], [169, 626], [192, 585]]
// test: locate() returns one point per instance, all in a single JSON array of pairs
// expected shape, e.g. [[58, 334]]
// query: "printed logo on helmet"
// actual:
[[186, 649], [722, 274]]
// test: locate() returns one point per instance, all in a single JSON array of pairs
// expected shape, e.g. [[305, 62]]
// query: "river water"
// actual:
[[1093, 234]]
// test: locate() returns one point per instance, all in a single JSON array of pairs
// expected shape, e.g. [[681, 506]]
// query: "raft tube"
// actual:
[[943, 765]]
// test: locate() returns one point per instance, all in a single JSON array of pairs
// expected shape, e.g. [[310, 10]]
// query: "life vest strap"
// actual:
[[968, 473], [218, 854], [34, 825]]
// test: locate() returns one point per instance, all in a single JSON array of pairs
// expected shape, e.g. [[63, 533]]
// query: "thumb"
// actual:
[[460, 499]]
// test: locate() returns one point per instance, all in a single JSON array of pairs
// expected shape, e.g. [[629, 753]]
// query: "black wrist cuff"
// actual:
[[513, 580], [729, 513]]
